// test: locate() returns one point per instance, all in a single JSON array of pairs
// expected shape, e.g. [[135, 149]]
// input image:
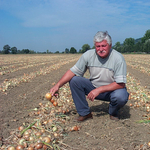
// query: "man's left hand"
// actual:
[[94, 93]]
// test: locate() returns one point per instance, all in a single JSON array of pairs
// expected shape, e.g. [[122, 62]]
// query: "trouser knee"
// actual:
[[119, 97]]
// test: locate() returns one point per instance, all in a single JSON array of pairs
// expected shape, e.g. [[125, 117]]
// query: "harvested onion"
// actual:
[[39, 146], [48, 96], [55, 103], [11, 148], [20, 147], [47, 139]]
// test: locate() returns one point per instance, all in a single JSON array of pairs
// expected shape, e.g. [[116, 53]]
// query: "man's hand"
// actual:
[[54, 90], [94, 93]]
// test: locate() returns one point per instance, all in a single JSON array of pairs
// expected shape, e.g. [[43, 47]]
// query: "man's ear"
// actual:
[[110, 45]]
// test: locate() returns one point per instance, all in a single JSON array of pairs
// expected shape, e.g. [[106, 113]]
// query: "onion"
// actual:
[[42, 130], [44, 147], [55, 134], [11, 148], [20, 147], [21, 141], [20, 128], [31, 138], [74, 128], [55, 103], [39, 141], [52, 101], [30, 148], [48, 96], [47, 139], [3, 147], [39, 146], [38, 134]]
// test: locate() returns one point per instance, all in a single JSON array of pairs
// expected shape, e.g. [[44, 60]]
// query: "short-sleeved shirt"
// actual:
[[103, 71]]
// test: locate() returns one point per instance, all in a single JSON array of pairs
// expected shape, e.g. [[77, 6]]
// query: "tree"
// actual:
[[146, 36], [118, 47], [25, 51], [14, 50], [138, 47], [6, 49], [57, 52], [128, 45], [85, 47], [73, 50], [146, 46], [66, 50]]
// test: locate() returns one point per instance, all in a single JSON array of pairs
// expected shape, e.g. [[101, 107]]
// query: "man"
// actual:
[[107, 69]]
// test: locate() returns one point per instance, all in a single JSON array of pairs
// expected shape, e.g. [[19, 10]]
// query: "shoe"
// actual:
[[114, 118], [82, 118]]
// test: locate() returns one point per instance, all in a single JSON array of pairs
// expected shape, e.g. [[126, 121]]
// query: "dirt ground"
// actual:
[[99, 133]]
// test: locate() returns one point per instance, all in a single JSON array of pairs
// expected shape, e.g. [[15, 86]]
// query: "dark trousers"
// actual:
[[80, 87]]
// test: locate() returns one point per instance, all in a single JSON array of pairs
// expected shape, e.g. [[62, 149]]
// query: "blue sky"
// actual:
[[54, 25]]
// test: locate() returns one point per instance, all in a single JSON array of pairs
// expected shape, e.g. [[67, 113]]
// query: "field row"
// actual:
[[19, 62], [41, 70], [139, 62]]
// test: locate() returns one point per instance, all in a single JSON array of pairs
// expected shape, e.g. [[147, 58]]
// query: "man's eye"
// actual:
[[104, 45]]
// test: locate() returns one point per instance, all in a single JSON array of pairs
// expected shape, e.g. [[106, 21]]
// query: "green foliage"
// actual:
[[6, 49], [146, 36], [131, 45], [85, 47], [73, 50], [14, 50], [57, 52], [146, 46], [66, 50]]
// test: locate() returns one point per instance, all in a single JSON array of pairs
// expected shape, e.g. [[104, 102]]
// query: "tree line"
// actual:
[[130, 45]]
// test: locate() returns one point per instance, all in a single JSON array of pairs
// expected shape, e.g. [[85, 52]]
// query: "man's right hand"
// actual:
[[54, 90]]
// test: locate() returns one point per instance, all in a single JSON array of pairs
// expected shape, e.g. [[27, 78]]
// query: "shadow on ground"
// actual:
[[102, 109]]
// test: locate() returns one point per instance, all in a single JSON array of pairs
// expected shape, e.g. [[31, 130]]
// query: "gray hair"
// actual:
[[100, 36]]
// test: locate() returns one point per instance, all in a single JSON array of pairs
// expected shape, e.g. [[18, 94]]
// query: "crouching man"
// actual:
[[107, 69]]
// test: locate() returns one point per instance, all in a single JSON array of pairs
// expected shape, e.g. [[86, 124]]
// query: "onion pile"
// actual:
[[47, 126]]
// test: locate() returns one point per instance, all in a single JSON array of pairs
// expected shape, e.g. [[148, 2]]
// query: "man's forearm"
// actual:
[[65, 78], [111, 87]]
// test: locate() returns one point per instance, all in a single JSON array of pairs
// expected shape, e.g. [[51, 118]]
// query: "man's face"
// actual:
[[102, 48]]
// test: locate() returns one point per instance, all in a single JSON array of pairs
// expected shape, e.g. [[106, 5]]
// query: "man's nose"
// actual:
[[100, 48]]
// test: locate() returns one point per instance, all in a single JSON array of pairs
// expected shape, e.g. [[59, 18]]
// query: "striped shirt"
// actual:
[[103, 71]]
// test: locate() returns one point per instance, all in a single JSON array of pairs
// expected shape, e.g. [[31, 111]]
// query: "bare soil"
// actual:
[[99, 133]]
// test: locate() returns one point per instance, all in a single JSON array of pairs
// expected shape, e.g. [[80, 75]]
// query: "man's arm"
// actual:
[[106, 88], [65, 78]]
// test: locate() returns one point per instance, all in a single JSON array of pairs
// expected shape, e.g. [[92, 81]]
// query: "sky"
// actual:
[[55, 25]]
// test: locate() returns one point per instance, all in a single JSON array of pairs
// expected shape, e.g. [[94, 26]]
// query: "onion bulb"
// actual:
[[20, 128], [30, 148], [55, 103], [11, 148], [39, 146], [47, 139], [48, 96], [52, 101], [75, 128], [20, 147]]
